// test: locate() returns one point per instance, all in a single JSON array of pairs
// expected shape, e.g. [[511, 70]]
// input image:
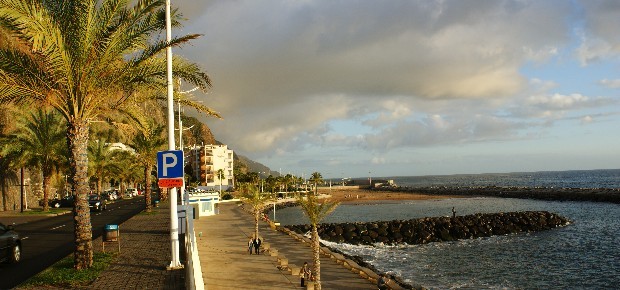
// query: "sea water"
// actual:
[[582, 255]]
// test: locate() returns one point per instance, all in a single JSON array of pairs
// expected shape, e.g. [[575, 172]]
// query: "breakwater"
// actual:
[[542, 193], [436, 229]]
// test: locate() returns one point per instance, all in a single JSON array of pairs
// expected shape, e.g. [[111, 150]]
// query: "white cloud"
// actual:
[[614, 84], [555, 106], [586, 119]]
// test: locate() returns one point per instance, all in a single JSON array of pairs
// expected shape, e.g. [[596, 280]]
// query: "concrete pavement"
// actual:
[[226, 263]]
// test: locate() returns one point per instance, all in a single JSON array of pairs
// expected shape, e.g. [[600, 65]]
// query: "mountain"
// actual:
[[253, 166], [199, 134]]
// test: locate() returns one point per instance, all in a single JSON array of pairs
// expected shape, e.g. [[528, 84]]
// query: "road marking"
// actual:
[[55, 228], [24, 238]]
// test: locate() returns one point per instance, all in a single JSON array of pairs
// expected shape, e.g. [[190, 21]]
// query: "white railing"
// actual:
[[193, 271]]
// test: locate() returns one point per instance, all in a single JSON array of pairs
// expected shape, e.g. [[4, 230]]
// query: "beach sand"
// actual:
[[360, 195]]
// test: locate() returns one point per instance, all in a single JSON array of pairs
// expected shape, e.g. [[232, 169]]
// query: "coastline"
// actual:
[[356, 195]]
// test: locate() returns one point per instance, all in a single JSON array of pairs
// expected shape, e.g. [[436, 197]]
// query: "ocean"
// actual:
[[582, 255], [603, 178]]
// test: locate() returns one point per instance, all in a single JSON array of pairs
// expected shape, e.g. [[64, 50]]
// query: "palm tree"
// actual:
[[220, 176], [85, 58], [317, 179], [100, 161], [39, 144], [316, 211], [271, 182], [8, 176], [147, 143], [257, 201], [126, 168]]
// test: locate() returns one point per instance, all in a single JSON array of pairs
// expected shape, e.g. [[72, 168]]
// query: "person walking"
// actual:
[[304, 273], [382, 283], [250, 245], [257, 242]]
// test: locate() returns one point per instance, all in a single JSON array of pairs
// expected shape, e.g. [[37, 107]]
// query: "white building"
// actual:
[[213, 166]]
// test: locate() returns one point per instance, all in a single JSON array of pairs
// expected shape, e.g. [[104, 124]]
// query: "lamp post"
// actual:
[[174, 224], [369, 179], [220, 172]]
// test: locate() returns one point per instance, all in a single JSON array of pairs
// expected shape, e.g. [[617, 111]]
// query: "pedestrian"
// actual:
[[304, 273], [453, 212], [250, 245], [382, 283], [257, 242]]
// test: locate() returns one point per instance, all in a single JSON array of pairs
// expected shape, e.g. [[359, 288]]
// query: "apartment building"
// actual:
[[207, 161]]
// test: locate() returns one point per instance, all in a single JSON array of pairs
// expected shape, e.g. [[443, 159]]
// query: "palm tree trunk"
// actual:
[[46, 192], [317, 258], [4, 195], [147, 192], [163, 194], [123, 188], [256, 212], [77, 139], [99, 185]]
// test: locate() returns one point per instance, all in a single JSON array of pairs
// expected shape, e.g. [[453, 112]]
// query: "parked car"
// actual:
[[131, 192], [55, 202], [109, 195], [10, 244], [67, 201], [96, 202]]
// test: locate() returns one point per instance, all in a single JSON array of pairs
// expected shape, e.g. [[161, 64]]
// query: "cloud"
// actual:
[[614, 84], [282, 70], [555, 106], [599, 35], [438, 130], [586, 119]]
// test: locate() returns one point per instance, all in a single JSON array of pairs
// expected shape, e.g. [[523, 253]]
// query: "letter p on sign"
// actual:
[[170, 164]]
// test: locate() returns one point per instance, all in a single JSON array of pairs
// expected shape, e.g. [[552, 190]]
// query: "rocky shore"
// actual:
[[436, 229], [543, 193]]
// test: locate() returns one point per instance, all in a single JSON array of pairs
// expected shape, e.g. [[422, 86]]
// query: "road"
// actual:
[[46, 241]]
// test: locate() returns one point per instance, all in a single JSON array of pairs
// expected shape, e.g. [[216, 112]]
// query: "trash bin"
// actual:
[[110, 233]]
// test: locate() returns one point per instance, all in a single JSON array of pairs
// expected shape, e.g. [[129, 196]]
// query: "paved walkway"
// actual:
[[226, 264], [145, 253]]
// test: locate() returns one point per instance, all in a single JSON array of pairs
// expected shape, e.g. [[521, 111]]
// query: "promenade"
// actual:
[[226, 263], [222, 246]]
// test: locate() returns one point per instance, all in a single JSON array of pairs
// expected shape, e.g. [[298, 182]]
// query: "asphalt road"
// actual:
[[46, 241]]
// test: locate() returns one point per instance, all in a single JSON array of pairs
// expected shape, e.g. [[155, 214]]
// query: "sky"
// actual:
[[407, 88]]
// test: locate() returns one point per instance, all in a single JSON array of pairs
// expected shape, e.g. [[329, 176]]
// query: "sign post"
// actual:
[[170, 174]]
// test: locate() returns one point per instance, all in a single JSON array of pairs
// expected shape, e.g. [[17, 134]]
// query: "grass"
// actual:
[[62, 274], [39, 211]]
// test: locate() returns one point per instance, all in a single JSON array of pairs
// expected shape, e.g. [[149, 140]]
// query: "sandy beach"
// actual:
[[359, 195]]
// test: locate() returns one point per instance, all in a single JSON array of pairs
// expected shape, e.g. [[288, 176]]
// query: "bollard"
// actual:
[[294, 270]]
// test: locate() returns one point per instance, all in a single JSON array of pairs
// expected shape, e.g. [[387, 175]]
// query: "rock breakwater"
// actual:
[[611, 195], [436, 229]]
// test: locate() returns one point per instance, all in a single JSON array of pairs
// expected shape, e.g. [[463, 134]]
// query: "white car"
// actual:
[[131, 192]]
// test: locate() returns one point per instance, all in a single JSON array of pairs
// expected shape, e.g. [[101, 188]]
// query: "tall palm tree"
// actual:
[[256, 200], [85, 58], [316, 211], [147, 143], [317, 179], [38, 142]]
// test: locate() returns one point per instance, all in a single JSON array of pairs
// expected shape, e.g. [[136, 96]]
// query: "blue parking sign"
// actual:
[[170, 164]]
